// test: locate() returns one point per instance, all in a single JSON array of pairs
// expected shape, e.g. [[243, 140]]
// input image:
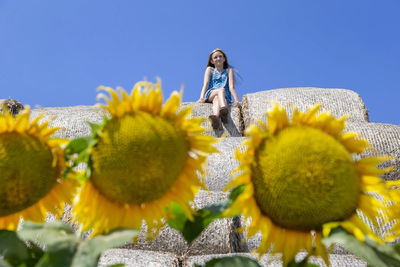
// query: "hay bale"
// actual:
[[385, 138], [219, 237], [338, 101], [269, 260], [220, 165], [138, 258], [71, 120]]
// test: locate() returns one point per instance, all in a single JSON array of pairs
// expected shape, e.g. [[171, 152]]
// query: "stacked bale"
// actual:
[[221, 239]]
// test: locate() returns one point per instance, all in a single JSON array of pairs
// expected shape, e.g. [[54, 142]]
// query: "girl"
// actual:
[[218, 86]]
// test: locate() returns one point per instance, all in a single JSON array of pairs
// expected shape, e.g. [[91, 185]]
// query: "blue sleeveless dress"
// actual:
[[219, 80]]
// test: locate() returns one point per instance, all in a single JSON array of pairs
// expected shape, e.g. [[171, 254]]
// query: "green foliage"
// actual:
[[62, 246], [77, 145], [235, 261], [12, 248], [236, 192], [88, 252], [191, 229], [373, 253], [78, 151], [4, 264]]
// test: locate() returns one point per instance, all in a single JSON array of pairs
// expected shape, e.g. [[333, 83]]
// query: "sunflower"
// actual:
[[300, 181], [31, 165], [144, 157]]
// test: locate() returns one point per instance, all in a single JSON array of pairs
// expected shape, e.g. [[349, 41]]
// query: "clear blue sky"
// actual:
[[56, 53]]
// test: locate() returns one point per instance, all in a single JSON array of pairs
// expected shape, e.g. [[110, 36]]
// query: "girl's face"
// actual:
[[217, 58]]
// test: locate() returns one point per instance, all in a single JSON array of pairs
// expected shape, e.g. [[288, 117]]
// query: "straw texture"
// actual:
[[73, 121], [385, 139], [138, 258], [270, 261], [220, 238], [220, 165]]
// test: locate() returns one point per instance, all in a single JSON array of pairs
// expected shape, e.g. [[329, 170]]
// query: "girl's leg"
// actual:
[[215, 106], [217, 97], [223, 109], [221, 97]]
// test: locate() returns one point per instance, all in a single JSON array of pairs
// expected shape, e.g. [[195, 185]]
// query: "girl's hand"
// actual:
[[202, 100]]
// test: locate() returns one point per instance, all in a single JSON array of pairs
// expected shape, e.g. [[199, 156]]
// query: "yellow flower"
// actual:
[[301, 181], [146, 156], [31, 165]]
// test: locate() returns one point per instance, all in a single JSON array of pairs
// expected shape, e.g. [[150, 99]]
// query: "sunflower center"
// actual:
[[26, 172], [304, 178], [138, 158]]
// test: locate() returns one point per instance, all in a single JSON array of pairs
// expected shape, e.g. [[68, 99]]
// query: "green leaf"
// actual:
[[116, 265], [386, 252], [58, 238], [12, 248], [34, 253], [397, 248], [373, 253], [89, 251], [82, 157], [4, 264], [77, 145], [236, 192], [64, 249], [59, 253], [96, 128], [179, 220], [235, 261], [203, 217]]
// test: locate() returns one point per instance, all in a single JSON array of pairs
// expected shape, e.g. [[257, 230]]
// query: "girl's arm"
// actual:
[[207, 75], [231, 85]]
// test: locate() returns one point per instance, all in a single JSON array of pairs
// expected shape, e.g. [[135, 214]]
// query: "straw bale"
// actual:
[[338, 101], [219, 237], [138, 258], [385, 139], [269, 260], [73, 121], [220, 165]]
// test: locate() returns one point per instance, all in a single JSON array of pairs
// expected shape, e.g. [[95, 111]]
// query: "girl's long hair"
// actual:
[[226, 64]]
